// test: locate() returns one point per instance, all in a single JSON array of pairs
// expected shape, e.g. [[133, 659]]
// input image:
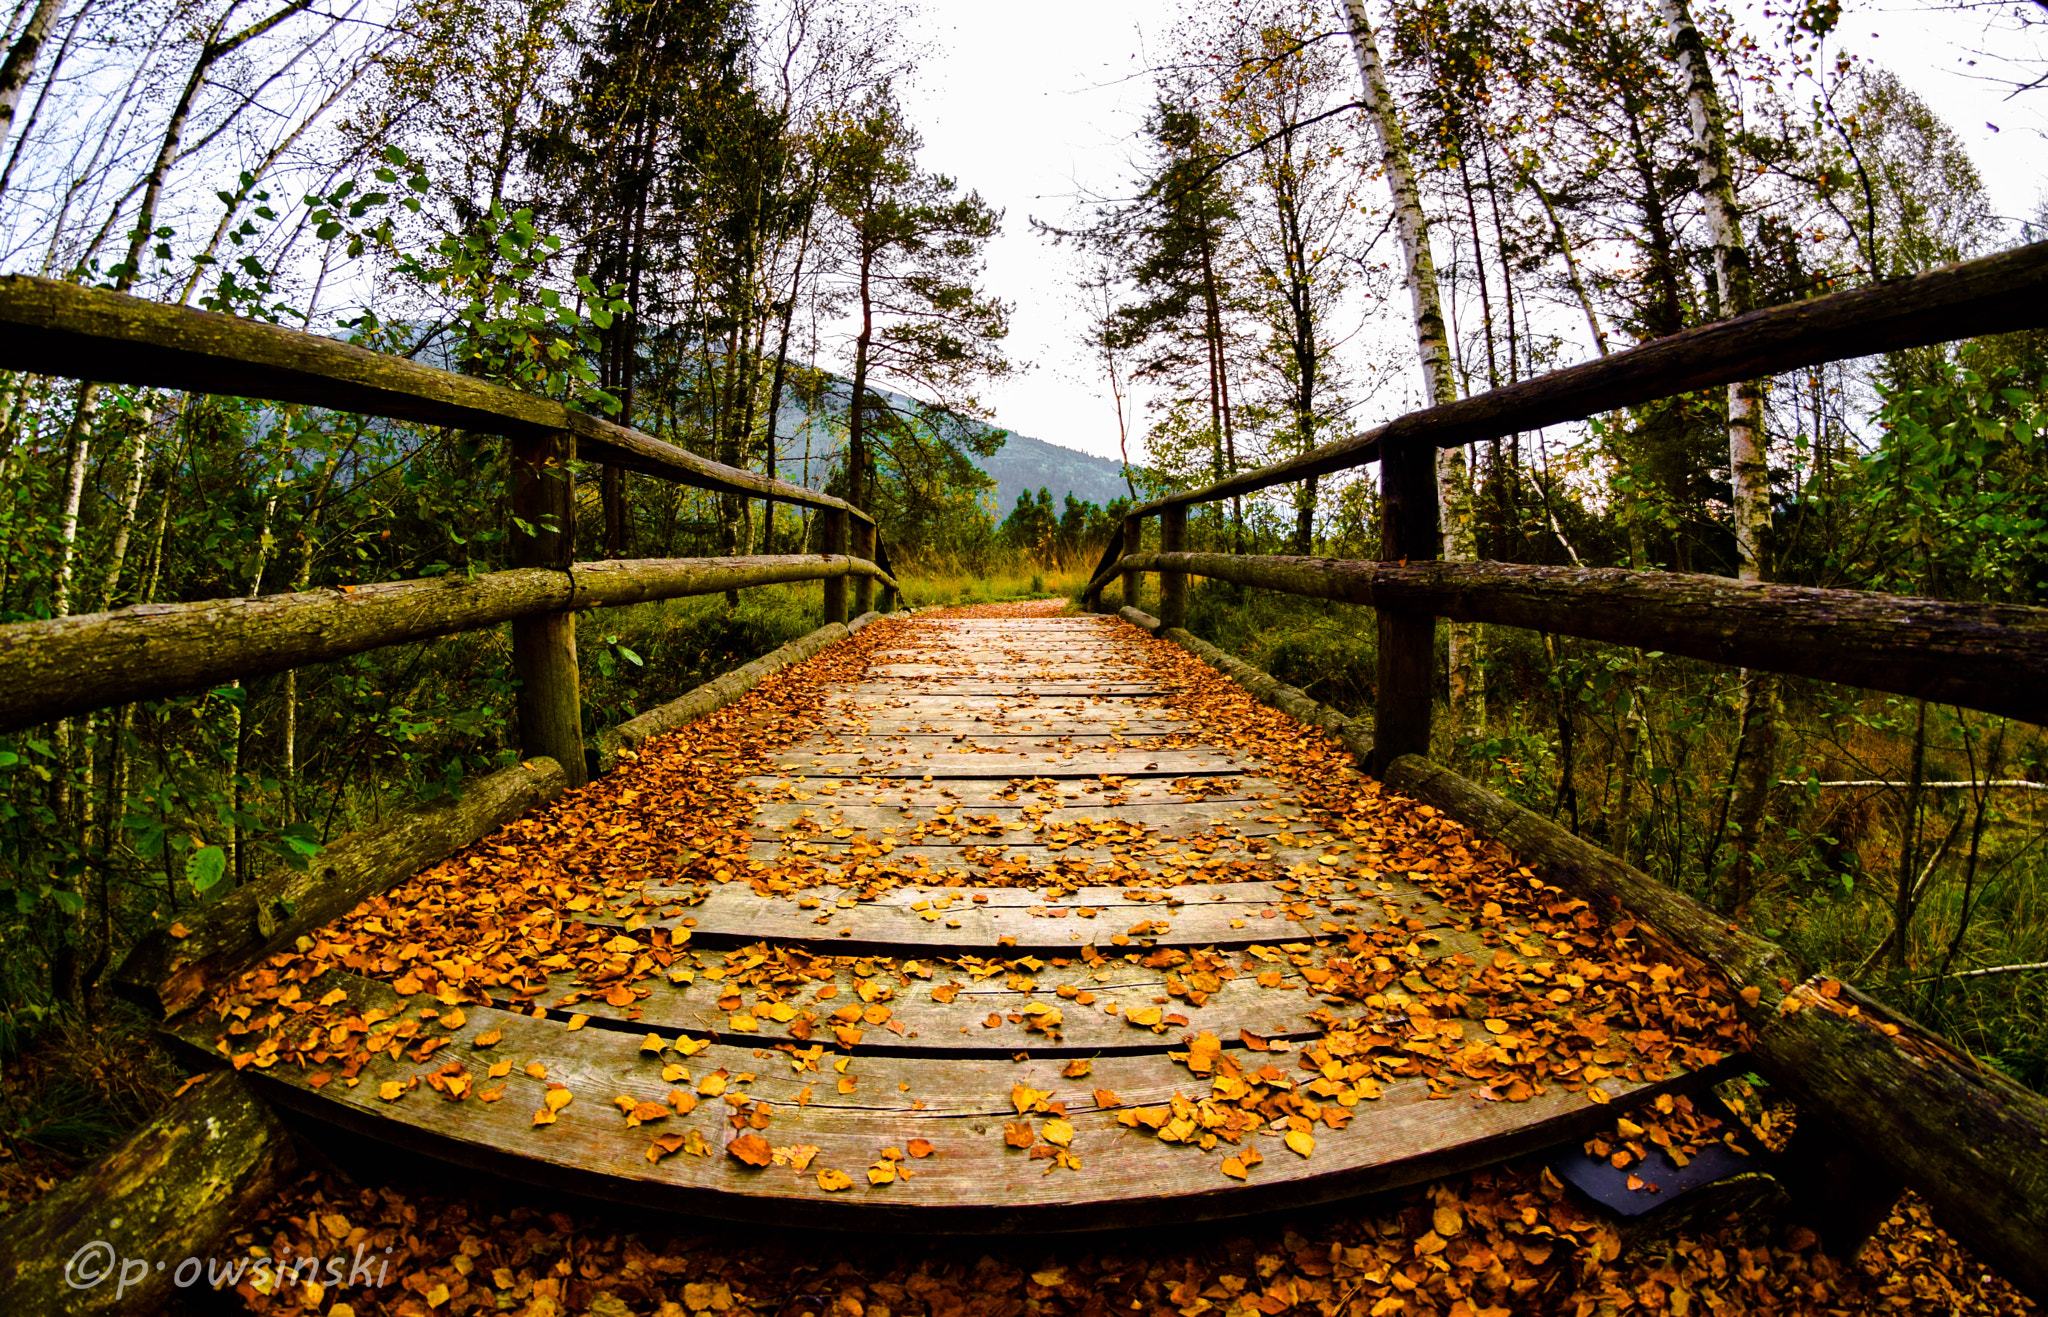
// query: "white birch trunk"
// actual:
[[1748, 470], [20, 64], [1454, 484]]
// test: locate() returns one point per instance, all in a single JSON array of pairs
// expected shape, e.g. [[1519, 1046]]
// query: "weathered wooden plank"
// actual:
[[971, 1183], [882, 761], [170, 972], [1992, 657], [987, 1018], [979, 792], [1169, 819], [954, 922], [125, 1233]]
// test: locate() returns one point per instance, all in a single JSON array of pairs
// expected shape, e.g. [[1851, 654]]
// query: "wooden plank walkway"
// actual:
[[1035, 925]]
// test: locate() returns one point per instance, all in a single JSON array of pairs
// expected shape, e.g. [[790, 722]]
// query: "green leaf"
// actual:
[[205, 867]]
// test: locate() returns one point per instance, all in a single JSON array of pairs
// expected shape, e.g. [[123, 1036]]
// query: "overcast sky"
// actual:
[[1029, 103]]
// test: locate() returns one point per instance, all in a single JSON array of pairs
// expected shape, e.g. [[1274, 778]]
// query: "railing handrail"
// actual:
[[1989, 657], [1989, 295], [54, 328], [63, 666]]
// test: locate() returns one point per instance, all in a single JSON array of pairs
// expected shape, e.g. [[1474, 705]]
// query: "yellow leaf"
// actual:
[[454, 1020], [1146, 1017], [1301, 1142], [578, 1021], [1496, 1026], [490, 1039], [391, 1091], [1234, 1168], [1058, 1132], [881, 1173], [536, 1070], [743, 1023], [558, 1098], [833, 1181]]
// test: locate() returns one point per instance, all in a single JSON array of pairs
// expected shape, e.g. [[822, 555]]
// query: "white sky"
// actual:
[[1030, 103]]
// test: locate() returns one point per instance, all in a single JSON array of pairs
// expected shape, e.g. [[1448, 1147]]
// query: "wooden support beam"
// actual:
[[863, 535], [833, 525], [1990, 295], [125, 1234], [887, 603], [169, 972], [1992, 657], [1404, 689], [1173, 586], [69, 665], [1133, 542], [543, 530]]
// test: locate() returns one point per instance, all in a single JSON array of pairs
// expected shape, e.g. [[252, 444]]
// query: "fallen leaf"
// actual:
[[751, 1148]]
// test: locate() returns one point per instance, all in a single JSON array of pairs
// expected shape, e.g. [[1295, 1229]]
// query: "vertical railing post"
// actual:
[[1134, 539], [543, 534], [888, 601], [832, 522], [1173, 586], [863, 547], [1406, 679]]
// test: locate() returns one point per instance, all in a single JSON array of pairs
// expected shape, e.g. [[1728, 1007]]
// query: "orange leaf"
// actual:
[[752, 1149]]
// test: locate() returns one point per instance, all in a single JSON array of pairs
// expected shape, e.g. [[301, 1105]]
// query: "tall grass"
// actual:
[[1014, 576]]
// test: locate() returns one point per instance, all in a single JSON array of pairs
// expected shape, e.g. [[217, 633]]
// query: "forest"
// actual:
[[700, 219]]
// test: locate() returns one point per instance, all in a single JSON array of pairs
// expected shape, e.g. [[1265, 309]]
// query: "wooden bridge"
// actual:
[[1021, 921]]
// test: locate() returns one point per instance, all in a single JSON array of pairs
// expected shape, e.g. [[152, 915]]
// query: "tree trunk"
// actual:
[[1748, 468], [20, 64], [1453, 480]]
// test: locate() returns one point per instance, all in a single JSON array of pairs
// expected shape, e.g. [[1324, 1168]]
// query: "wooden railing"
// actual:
[[1990, 657], [1971, 1141], [69, 665]]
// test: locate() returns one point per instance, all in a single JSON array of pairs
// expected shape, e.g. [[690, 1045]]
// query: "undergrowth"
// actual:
[[1828, 858]]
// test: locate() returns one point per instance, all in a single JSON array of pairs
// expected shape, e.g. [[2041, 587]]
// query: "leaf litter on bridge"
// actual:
[[552, 912]]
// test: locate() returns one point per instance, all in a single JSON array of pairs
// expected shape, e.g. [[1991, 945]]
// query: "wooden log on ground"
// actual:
[[1992, 657], [56, 328], [623, 741], [69, 665], [1991, 295], [1274, 693], [170, 973], [141, 1225], [1969, 1140]]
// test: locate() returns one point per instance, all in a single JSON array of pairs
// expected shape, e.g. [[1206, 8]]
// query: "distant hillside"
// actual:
[[1022, 465]]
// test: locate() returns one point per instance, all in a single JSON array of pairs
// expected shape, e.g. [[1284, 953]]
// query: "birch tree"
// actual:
[[1454, 485]]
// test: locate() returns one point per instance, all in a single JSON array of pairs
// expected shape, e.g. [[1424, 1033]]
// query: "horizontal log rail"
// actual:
[[54, 328], [1992, 657], [68, 665], [1994, 294]]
